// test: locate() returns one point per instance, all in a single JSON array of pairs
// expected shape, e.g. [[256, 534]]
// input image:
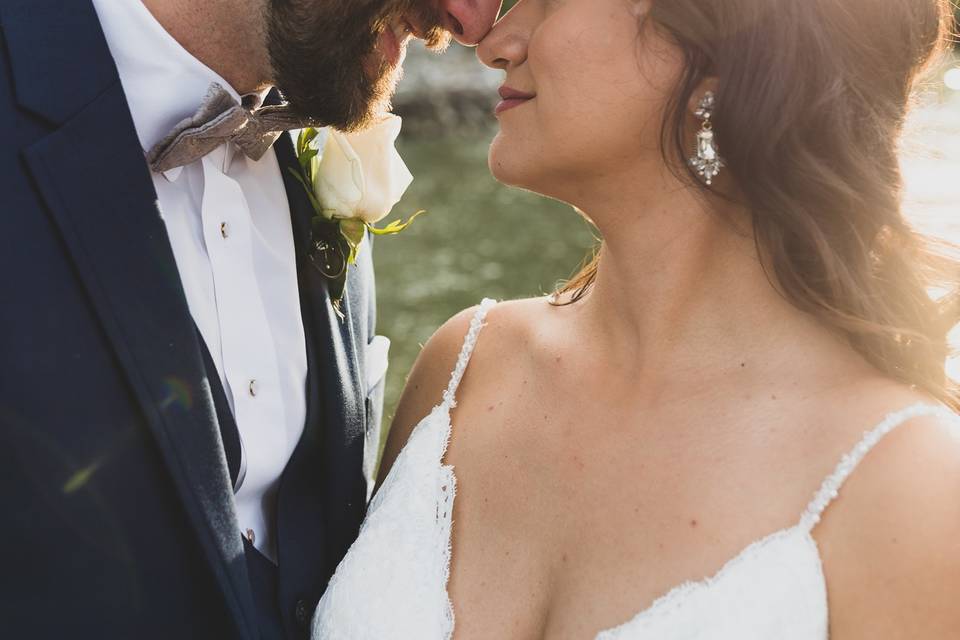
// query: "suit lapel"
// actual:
[[92, 175], [343, 411], [336, 342]]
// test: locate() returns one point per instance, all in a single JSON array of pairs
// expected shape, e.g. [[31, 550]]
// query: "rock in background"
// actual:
[[445, 94]]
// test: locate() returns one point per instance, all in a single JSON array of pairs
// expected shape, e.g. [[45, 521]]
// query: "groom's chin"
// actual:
[[383, 83], [355, 103]]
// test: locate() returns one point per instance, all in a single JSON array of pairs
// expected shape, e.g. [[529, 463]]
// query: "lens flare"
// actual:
[[81, 478], [178, 394], [952, 79]]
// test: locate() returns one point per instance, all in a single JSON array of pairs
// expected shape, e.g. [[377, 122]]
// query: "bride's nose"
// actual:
[[470, 20], [505, 46]]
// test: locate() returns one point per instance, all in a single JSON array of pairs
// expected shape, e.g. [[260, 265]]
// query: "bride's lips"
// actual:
[[510, 98]]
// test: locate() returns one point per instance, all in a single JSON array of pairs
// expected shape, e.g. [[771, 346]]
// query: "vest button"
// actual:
[[301, 614]]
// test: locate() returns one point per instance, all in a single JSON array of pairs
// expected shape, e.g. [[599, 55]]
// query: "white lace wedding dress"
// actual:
[[392, 585]]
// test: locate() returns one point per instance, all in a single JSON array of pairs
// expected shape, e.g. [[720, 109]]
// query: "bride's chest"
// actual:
[[503, 584], [535, 558]]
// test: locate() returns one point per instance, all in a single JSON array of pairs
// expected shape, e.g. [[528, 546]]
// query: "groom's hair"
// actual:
[[810, 102], [321, 51]]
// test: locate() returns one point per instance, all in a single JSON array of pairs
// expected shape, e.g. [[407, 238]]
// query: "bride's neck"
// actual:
[[679, 285]]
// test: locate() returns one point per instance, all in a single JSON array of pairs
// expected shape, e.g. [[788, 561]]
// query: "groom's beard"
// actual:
[[325, 57]]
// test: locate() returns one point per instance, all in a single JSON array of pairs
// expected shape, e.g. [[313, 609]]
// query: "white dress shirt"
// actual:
[[229, 225]]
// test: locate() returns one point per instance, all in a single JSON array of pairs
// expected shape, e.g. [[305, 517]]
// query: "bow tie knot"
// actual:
[[221, 119]]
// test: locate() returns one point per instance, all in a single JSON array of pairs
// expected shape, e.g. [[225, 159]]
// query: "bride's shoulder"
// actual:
[[895, 529], [510, 334], [507, 327], [513, 333], [505, 324]]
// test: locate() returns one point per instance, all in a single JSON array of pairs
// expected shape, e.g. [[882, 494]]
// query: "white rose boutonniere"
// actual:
[[361, 175], [353, 181]]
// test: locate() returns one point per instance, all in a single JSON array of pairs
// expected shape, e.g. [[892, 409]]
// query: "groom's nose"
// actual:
[[470, 20]]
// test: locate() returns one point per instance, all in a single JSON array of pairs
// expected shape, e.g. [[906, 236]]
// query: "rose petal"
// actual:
[[339, 179]]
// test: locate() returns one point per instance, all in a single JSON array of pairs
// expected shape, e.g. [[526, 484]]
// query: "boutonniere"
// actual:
[[353, 181]]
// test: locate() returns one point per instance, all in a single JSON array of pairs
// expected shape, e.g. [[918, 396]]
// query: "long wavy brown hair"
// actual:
[[811, 101]]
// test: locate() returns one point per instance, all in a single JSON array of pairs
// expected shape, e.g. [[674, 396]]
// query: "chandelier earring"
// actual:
[[707, 161]]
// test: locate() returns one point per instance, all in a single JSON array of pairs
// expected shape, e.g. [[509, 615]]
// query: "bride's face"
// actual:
[[592, 80]]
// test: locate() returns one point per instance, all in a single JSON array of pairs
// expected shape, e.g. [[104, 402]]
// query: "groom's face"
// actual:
[[338, 61]]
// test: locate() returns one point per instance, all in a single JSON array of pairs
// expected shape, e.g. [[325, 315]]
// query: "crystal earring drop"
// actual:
[[707, 163]]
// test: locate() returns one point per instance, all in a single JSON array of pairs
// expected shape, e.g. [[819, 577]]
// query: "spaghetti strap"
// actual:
[[469, 342], [830, 489]]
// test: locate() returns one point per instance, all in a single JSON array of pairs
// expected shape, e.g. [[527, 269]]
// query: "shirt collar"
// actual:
[[162, 81]]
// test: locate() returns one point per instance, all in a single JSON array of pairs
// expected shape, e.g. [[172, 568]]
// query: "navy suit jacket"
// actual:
[[116, 511]]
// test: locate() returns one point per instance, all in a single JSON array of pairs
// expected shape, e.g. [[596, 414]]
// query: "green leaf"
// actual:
[[306, 158], [305, 152], [307, 136], [313, 198], [354, 230], [396, 226]]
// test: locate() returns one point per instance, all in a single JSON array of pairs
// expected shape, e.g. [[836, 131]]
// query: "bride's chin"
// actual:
[[501, 172], [510, 168], [526, 177]]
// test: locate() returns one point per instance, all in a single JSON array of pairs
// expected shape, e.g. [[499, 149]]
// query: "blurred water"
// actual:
[[478, 239], [481, 239], [931, 169]]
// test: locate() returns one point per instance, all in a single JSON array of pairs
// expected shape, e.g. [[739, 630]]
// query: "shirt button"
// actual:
[[224, 230], [301, 614], [254, 388]]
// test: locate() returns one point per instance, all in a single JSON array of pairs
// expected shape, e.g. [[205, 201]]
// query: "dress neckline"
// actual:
[[670, 596], [803, 529], [676, 595], [829, 490]]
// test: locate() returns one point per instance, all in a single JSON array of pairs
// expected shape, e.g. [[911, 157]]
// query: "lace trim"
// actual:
[[446, 491], [678, 595], [830, 489], [449, 396]]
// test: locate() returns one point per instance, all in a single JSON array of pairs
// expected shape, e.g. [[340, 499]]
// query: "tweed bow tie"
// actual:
[[222, 119]]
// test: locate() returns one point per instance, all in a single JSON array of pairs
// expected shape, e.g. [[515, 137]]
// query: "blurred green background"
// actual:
[[478, 239]]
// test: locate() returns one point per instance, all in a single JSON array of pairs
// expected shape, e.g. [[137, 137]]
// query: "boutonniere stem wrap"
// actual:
[[353, 181]]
